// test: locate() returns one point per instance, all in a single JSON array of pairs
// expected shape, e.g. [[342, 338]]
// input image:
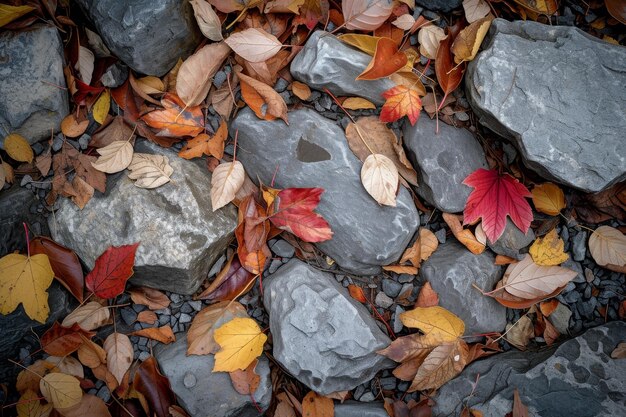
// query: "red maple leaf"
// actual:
[[113, 268], [496, 196], [401, 100], [293, 212]]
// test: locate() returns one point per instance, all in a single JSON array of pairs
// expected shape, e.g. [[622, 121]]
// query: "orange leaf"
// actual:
[[504, 260], [465, 236], [449, 75], [548, 307], [163, 334], [245, 381], [386, 60], [401, 101], [256, 94], [427, 297], [315, 405], [204, 144], [176, 119], [357, 293]]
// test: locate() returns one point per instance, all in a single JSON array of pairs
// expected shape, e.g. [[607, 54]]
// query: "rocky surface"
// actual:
[[439, 5], [451, 271], [32, 83], [443, 161], [19, 205], [322, 336], [135, 32], [313, 152], [578, 378], [180, 234], [326, 62], [557, 93], [355, 409], [205, 393], [512, 241]]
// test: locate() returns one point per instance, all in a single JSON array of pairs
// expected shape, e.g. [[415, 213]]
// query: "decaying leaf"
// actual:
[[379, 176], [150, 171], [154, 299], [519, 333], [241, 342], [475, 10], [548, 198], [441, 365], [227, 179], [61, 341], [246, 381], [548, 250], [608, 247]]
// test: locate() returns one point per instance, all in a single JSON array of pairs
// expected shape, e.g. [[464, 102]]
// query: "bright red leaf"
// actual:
[[496, 196], [293, 212], [61, 341], [401, 100], [113, 268]]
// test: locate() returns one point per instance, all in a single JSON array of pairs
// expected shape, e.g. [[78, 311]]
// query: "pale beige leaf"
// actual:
[[200, 335], [83, 192], [195, 74], [475, 10], [89, 406], [85, 64], [480, 234], [114, 157], [153, 298], [429, 38], [254, 44], [404, 22], [120, 354], [89, 316], [207, 19], [441, 365], [519, 333], [61, 390], [222, 100], [528, 280], [68, 365], [227, 179], [150, 171], [620, 351], [150, 85], [379, 176], [608, 246], [365, 14], [428, 243]]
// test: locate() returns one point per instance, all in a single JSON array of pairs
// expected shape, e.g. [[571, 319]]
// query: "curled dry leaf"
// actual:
[[227, 179], [387, 59], [608, 247], [150, 171], [404, 22], [200, 335], [207, 19], [254, 44], [241, 342], [548, 198], [230, 283], [548, 250], [429, 38], [114, 157], [85, 64], [18, 148], [449, 75], [365, 14], [256, 93], [154, 299], [465, 236], [89, 316], [61, 390], [380, 178], [91, 354], [155, 388], [475, 10], [468, 41], [120, 354], [163, 334], [61, 341], [195, 74]]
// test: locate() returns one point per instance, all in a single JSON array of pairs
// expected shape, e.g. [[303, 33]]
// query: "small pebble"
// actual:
[[391, 287], [274, 265], [38, 148], [388, 383], [283, 249], [281, 85], [144, 356], [219, 79], [404, 278], [397, 323], [129, 316], [57, 143], [383, 300], [441, 235], [579, 247], [184, 318], [217, 266], [367, 397], [196, 305], [104, 394], [176, 298], [83, 141], [186, 308]]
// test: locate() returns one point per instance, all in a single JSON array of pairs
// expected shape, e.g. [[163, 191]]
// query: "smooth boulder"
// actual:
[[312, 151]]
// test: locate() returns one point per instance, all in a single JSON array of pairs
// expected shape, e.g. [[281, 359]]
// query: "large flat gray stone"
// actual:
[[180, 234], [32, 85], [19, 205], [443, 161], [204, 393], [577, 378], [148, 35], [558, 93], [322, 336], [326, 62], [313, 152]]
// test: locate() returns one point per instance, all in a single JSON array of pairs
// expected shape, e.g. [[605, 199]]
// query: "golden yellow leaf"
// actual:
[[18, 148], [61, 390], [9, 13], [365, 43], [25, 280], [200, 340], [101, 107], [241, 342], [548, 250], [435, 321], [30, 406], [28, 379], [401, 269], [466, 44], [357, 103], [548, 198]]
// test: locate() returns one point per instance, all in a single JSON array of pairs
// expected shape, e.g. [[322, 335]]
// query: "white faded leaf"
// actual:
[[480, 234], [227, 179], [207, 19], [150, 171], [404, 22], [365, 14], [475, 10], [380, 178], [114, 157], [120, 354], [527, 280], [608, 246], [88, 316], [429, 38], [254, 44], [84, 65], [194, 75]]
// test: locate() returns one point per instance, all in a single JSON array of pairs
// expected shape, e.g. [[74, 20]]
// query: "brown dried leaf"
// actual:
[[257, 94], [315, 405], [464, 236], [162, 334], [154, 299], [196, 72], [442, 364], [245, 381], [427, 297], [147, 316]]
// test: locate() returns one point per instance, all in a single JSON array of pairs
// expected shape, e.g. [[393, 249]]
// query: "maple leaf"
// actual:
[[293, 212], [113, 268], [494, 197], [401, 101]]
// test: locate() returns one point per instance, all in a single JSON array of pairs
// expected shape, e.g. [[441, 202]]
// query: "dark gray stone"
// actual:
[[560, 318], [326, 62], [16, 205], [322, 336], [180, 234], [32, 84], [557, 92], [204, 393], [115, 75], [391, 287], [149, 36], [451, 271], [313, 152], [579, 245], [577, 378], [443, 161], [283, 249], [439, 5], [512, 241]]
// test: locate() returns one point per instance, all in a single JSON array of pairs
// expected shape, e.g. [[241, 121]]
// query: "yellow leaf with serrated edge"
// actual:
[[548, 198], [101, 108], [548, 250], [25, 280], [241, 342], [61, 390], [18, 148], [435, 321]]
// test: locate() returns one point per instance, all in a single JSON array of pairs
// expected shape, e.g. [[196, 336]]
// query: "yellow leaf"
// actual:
[[548, 250], [101, 108], [548, 198], [10, 13], [30, 406], [466, 44], [241, 342], [435, 321], [18, 148], [358, 103], [365, 43], [61, 390], [25, 280]]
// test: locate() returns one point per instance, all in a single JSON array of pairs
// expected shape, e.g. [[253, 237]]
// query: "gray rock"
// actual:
[[391, 287], [322, 336], [32, 84], [204, 393], [512, 241], [313, 152], [451, 271], [16, 207], [439, 5], [579, 245], [557, 92], [326, 62], [283, 249], [443, 161], [578, 378], [560, 318], [383, 300], [115, 75], [180, 234], [149, 36]]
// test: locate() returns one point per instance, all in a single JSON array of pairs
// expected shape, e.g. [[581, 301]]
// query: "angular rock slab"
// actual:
[[326, 62], [322, 336], [451, 271], [32, 84], [313, 152], [444, 161], [558, 93], [578, 379], [149, 36], [180, 235], [204, 393]]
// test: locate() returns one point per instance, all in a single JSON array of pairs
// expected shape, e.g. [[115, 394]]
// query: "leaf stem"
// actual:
[[27, 238], [235, 146]]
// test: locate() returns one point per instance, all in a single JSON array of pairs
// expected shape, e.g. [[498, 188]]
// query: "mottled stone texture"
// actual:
[[443, 161], [322, 336], [451, 271], [180, 235], [204, 393], [148, 35], [32, 85], [326, 62], [578, 378], [558, 93], [313, 152], [512, 241]]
